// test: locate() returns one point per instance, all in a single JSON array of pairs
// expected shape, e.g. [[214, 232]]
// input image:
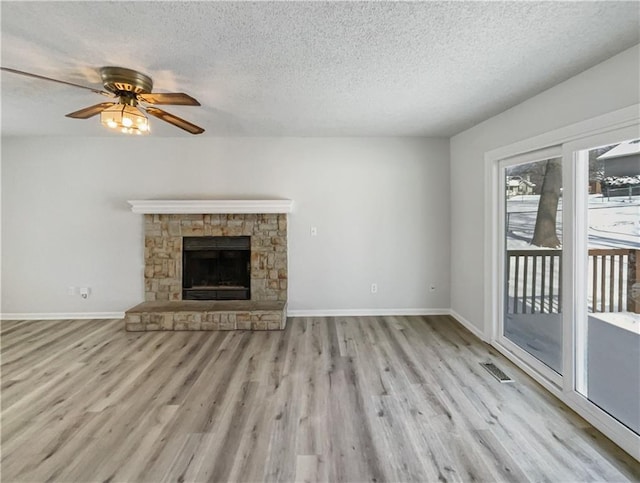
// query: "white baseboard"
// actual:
[[467, 325], [290, 313], [62, 316], [364, 312]]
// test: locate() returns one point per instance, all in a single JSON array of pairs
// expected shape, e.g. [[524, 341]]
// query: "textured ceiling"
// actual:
[[305, 68]]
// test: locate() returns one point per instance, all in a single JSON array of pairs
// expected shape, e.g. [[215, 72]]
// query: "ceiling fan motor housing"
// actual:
[[122, 81]]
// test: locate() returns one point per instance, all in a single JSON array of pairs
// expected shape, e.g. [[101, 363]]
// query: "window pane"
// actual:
[[533, 259], [610, 344]]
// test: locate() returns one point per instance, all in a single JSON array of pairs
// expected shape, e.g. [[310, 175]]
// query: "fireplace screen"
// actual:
[[216, 268]]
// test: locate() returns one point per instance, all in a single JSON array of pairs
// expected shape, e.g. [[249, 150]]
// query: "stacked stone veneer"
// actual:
[[163, 251], [164, 309]]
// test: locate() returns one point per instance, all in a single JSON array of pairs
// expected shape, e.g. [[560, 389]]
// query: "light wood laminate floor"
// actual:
[[328, 399]]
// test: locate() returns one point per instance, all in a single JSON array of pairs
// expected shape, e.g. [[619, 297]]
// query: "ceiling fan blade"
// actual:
[[90, 111], [169, 98], [36, 76], [175, 120]]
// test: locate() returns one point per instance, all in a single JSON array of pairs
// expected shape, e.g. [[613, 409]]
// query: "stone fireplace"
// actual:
[[210, 270]]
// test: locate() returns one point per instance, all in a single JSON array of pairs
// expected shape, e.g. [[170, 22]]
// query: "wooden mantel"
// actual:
[[159, 207]]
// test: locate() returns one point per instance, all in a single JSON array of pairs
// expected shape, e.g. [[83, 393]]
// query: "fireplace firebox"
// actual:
[[216, 268]]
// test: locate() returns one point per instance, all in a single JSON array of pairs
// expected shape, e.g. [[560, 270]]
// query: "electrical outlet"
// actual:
[[432, 287], [314, 231], [72, 291], [374, 288], [85, 292]]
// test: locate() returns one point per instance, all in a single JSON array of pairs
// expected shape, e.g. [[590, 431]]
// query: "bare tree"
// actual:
[[544, 233]]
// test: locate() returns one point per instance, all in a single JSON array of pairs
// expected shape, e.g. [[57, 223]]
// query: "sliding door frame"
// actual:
[[573, 140], [522, 354]]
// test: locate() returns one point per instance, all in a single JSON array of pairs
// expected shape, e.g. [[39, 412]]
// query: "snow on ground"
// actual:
[[624, 320], [613, 222]]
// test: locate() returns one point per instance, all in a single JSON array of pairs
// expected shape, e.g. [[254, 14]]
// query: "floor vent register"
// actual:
[[496, 372]]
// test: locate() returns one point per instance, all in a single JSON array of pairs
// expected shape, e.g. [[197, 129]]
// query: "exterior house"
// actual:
[[516, 185], [622, 169], [622, 160]]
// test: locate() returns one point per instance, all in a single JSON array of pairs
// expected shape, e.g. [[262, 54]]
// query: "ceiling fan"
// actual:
[[132, 91]]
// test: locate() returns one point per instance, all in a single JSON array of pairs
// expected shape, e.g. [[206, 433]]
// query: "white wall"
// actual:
[[380, 205], [611, 85]]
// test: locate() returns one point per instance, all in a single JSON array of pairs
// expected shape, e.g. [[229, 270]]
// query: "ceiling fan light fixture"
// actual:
[[129, 119]]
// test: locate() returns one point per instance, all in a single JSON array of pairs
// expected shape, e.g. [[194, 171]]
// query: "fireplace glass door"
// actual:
[[216, 268]]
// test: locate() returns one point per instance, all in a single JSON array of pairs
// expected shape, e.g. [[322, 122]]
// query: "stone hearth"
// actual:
[[164, 230], [207, 315]]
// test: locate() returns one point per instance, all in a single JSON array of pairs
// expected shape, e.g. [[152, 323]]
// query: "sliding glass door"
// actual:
[[566, 286]]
